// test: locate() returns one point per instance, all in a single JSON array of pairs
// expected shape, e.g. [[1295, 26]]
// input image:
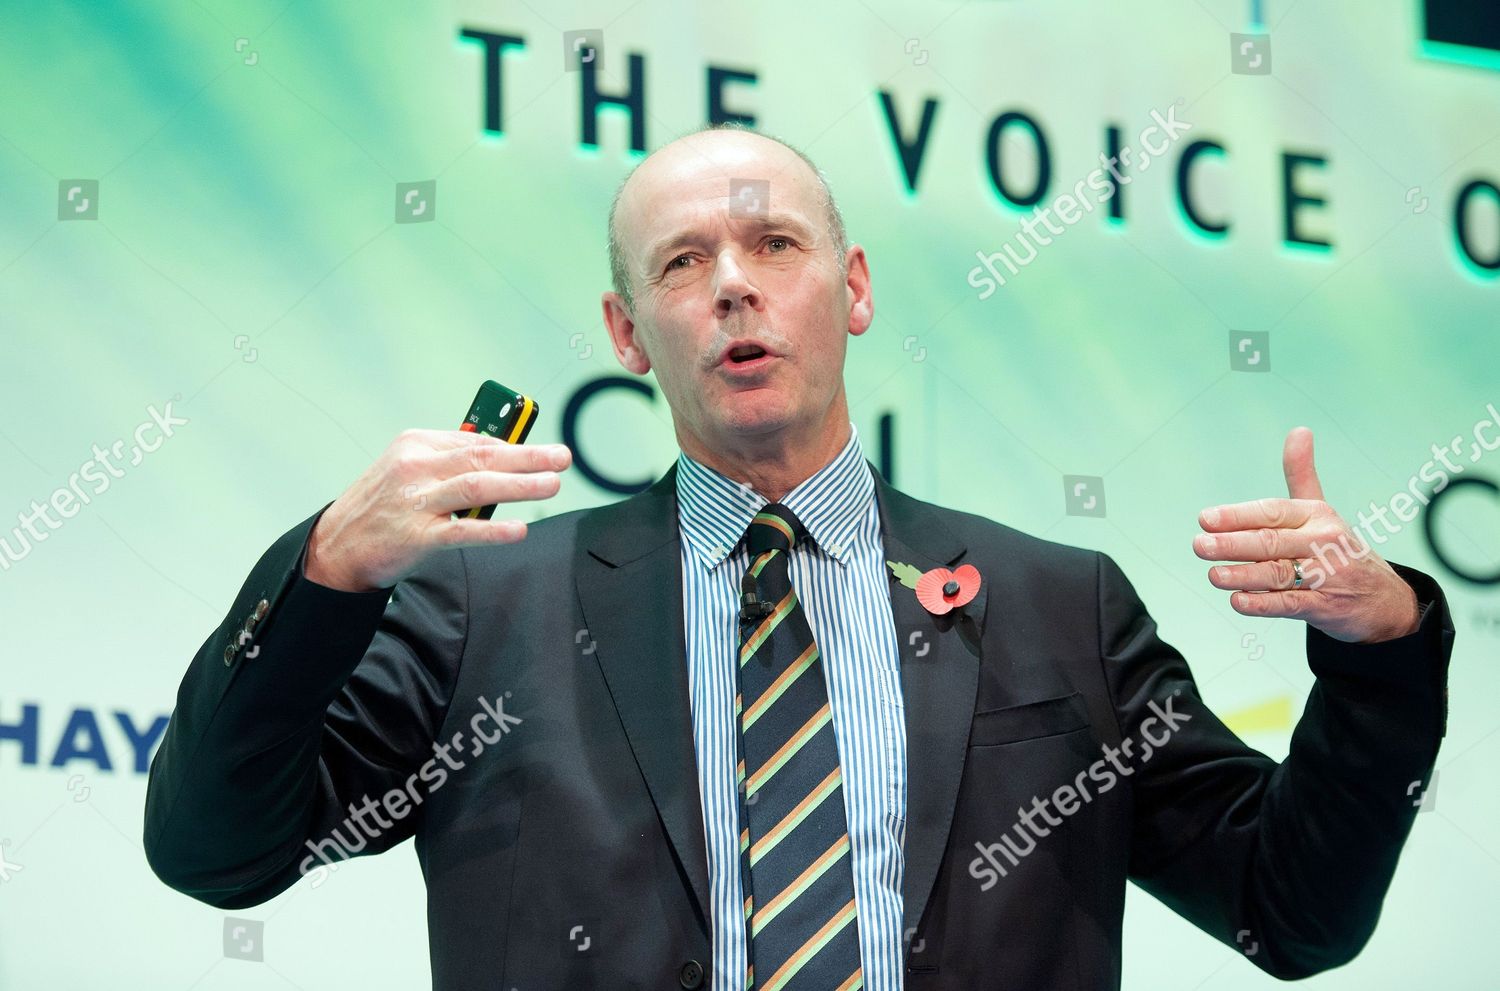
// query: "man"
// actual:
[[709, 736]]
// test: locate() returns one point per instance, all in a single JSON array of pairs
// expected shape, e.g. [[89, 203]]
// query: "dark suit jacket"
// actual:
[[586, 813]]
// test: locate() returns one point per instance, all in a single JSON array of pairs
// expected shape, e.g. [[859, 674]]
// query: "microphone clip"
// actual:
[[752, 607]]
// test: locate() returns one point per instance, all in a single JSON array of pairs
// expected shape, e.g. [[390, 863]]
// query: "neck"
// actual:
[[774, 464]]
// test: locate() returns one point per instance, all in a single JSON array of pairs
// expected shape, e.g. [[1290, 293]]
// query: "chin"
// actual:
[[751, 413]]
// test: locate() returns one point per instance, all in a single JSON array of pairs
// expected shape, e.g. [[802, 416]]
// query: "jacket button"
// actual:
[[229, 653], [691, 975], [261, 608]]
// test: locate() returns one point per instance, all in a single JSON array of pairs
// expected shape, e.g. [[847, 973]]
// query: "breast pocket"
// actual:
[[1029, 721]]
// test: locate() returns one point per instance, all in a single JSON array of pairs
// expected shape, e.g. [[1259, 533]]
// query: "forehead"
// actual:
[[688, 183]]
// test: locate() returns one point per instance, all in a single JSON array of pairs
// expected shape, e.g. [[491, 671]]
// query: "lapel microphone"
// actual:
[[752, 607]]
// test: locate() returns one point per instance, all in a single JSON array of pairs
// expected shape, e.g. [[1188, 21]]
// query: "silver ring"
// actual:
[[1296, 573]]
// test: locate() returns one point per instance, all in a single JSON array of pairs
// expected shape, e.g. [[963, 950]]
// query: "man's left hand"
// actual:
[[1349, 597]]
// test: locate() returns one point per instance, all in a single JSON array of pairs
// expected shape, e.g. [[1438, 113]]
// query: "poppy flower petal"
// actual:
[[967, 577], [930, 591]]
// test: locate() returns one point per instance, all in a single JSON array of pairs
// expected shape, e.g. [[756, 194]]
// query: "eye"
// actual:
[[784, 242], [673, 263]]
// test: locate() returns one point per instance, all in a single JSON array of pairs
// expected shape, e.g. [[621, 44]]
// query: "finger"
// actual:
[[481, 488], [499, 457], [1261, 576], [1265, 544], [474, 533], [443, 440], [1256, 514], [1288, 605], [1297, 465]]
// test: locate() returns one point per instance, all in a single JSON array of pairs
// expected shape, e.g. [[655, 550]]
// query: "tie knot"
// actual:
[[774, 527]]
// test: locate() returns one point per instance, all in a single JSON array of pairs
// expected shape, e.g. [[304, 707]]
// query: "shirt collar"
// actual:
[[714, 511]]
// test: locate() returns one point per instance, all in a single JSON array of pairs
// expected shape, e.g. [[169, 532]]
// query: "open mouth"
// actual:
[[747, 361], [745, 355]]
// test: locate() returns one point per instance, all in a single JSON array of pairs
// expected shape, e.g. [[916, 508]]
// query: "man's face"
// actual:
[[708, 269]]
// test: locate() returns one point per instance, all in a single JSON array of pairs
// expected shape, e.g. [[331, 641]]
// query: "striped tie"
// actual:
[[794, 839]]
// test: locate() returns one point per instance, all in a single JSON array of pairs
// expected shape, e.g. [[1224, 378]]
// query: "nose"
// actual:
[[733, 289]]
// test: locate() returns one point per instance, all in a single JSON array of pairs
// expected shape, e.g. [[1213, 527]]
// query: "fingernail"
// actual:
[[1222, 574], [1211, 517], [1209, 545]]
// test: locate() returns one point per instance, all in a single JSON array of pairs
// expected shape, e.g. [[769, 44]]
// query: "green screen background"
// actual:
[[245, 264]]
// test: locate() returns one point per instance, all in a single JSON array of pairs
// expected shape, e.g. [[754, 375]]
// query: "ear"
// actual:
[[857, 289], [621, 326]]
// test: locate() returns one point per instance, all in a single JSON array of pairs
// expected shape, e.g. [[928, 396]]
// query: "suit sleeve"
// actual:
[[1286, 862], [285, 726]]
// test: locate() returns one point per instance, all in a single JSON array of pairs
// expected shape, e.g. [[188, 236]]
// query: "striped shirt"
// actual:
[[839, 575]]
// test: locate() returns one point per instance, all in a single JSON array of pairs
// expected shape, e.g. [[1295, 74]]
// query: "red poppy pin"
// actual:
[[939, 590]]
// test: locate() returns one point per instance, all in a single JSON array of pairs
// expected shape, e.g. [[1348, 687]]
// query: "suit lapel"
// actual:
[[629, 577], [939, 682]]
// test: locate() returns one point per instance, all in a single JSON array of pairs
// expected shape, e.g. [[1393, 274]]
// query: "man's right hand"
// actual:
[[399, 510]]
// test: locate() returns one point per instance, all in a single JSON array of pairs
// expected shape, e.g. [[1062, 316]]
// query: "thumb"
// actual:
[[1297, 464]]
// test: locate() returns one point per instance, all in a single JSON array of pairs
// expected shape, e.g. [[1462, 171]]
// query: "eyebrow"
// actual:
[[773, 221]]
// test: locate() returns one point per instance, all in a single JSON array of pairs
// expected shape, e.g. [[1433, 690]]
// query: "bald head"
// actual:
[[702, 271], [719, 147]]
